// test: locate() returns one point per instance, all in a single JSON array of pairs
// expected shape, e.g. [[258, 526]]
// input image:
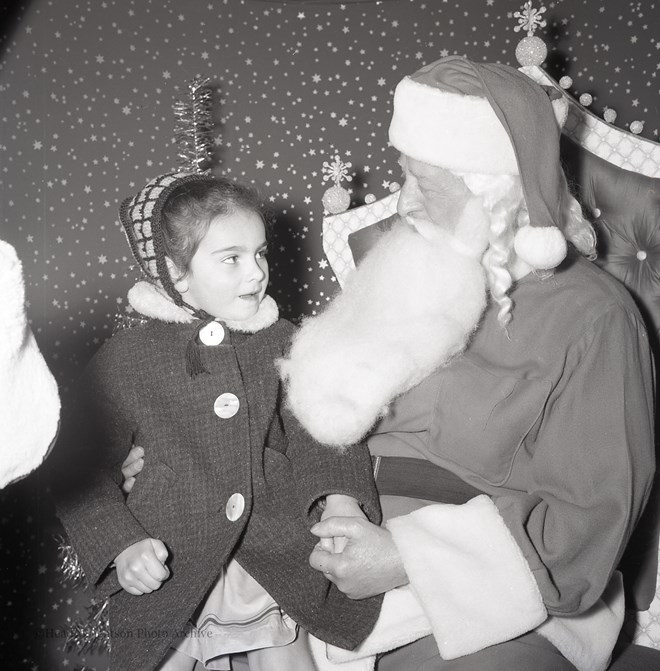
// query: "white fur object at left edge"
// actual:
[[29, 399], [408, 308]]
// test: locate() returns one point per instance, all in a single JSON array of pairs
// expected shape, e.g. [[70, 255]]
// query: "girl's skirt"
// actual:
[[237, 615]]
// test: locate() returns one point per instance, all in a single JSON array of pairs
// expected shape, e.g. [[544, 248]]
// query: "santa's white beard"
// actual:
[[406, 310]]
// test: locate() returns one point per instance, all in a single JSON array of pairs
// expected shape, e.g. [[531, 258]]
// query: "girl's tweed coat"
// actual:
[[136, 391]]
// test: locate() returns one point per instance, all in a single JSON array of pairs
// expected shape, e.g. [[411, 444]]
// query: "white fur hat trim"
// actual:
[[454, 131], [542, 247]]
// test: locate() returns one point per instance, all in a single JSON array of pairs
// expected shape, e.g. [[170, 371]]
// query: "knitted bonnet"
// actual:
[[141, 218], [491, 119]]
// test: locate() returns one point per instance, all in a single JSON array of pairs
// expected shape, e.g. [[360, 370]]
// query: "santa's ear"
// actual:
[[559, 104], [179, 277]]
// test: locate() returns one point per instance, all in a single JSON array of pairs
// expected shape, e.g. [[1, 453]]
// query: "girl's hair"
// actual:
[[504, 201], [190, 209]]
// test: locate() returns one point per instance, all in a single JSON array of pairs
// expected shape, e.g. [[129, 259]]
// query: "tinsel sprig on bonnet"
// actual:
[[194, 126]]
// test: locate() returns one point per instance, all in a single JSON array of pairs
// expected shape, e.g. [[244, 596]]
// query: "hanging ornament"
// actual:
[[369, 198], [336, 199], [531, 50], [566, 82], [194, 126], [636, 127], [586, 99], [609, 115], [394, 187]]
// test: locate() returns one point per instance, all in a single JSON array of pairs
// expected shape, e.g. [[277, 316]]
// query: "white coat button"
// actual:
[[212, 334], [226, 405], [235, 507]]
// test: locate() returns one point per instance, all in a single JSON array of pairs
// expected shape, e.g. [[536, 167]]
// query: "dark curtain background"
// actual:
[[86, 93]]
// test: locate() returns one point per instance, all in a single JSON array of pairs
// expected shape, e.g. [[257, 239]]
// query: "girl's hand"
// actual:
[[339, 505], [370, 563], [141, 567], [131, 466]]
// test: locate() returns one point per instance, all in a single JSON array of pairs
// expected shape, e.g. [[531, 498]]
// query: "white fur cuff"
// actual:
[[587, 640], [469, 575], [401, 621]]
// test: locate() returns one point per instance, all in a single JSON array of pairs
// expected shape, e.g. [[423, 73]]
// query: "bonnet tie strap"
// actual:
[[194, 364]]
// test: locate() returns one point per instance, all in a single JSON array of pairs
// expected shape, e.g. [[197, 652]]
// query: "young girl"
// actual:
[[208, 554]]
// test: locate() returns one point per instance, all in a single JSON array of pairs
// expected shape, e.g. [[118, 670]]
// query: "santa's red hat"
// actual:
[[492, 119]]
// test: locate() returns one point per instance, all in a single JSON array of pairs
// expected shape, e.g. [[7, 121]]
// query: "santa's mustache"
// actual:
[[409, 307]]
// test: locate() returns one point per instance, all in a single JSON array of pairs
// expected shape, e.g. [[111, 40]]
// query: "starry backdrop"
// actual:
[[86, 95]]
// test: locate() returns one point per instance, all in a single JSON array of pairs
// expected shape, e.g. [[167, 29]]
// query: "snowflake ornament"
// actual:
[[336, 171], [336, 199], [531, 50], [530, 19]]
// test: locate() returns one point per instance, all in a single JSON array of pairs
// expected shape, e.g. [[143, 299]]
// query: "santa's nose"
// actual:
[[409, 200]]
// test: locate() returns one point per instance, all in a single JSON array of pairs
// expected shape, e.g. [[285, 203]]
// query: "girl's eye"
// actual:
[[262, 254], [230, 259]]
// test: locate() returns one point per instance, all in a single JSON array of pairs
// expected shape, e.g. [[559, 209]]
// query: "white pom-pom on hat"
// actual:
[[542, 247]]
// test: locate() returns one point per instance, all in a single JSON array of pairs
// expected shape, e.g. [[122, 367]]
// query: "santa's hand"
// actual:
[[131, 467], [369, 564], [141, 567]]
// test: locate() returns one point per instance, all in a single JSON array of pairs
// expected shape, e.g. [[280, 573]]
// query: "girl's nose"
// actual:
[[256, 271]]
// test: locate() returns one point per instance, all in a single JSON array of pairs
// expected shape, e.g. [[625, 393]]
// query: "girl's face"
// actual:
[[229, 272]]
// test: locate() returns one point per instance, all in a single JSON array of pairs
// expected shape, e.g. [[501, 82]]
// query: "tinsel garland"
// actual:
[[94, 632], [70, 567], [194, 126], [127, 321]]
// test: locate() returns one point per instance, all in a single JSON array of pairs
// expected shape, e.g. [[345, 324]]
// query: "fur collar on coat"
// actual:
[[151, 301]]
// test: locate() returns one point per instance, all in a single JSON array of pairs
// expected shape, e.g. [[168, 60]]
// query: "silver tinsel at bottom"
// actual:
[[94, 633]]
